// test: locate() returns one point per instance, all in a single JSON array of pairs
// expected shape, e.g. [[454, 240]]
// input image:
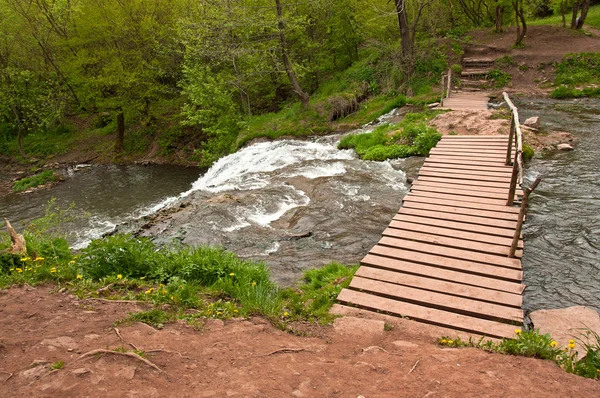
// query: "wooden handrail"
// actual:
[[449, 82], [522, 212], [515, 130], [442, 95]]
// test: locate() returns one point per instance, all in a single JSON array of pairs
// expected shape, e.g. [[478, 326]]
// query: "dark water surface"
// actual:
[[562, 233]]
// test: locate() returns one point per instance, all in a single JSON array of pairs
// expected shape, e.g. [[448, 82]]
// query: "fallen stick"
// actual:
[[125, 354], [8, 378], [123, 341], [105, 288], [117, 301], [380, 348], [413, 368], [282, 351]]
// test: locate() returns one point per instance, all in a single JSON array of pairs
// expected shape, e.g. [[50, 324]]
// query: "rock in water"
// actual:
[[564, 147], [566, 323], [533, 122]]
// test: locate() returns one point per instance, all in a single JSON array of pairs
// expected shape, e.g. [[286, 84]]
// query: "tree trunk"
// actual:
[[303, 95], [19, 131], [19, 245], [405, 38], [520, 21], [585, 6], [120, 132], [576, 6], [498, 20]]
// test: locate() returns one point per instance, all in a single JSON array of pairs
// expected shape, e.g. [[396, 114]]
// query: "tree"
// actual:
[[580, 8], [520, 22]]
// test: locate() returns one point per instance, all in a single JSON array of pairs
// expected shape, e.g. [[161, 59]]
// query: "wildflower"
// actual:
[[571, 345], [571, 341], [119, 276], [172, 298], [53, 270], [163, 291], [11, 269], [19, 270], [286, 314], [39, 259], [232, 274], [518, 331], [253, 283], [235, 311], [443, 341], [71, 262], [149, 291], [25, 259], [553, 344], [450, 342], [219, 313], [79, 276], [142, 278]]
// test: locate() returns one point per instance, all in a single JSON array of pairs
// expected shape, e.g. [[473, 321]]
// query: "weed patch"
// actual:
[[34, 181]]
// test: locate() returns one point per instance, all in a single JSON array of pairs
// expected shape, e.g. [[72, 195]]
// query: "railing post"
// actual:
[[513, 182], [522, 211], [443, 87], [511, 136]]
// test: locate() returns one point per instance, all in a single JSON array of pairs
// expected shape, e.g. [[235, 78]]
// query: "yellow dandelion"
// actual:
[[518, 331], [163, 291], [232, 274], [443, 341], [235, 311], [142, 278], [219, 313], [79, 276], [25, 259], [19, 270], [181, 287], [39, 259], [119, 276], [172, 298], [553, 344], [149, 291], [286, 314], [253, 283], [571, 341], [72, 262], [53, 270], [571, 345], [450, 342]]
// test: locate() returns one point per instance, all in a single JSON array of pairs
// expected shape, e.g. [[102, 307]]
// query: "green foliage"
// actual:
[[384, 152], [34, 181], [8, 261], [505, 61], [589, 364], [499, 77], [581, 68], [362, 142], [57, 365], [528, 153], [154, 317], [564, 92], [426, 140], [592, 19]]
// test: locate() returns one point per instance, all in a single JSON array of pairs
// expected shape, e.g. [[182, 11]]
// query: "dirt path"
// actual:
[[248, 358]]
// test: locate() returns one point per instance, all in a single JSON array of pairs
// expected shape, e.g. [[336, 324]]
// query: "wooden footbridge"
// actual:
[[452, 254]]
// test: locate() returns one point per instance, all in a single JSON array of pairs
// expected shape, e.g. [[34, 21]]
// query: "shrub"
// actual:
[[383, 152], [499, 77], [362, 142], [426, 140], [528, 152], [8, 261]]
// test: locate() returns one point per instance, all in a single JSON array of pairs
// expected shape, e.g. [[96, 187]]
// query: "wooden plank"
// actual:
[[492, 271], [427, 315], [475, 137], [472, 144], [461, 210], [491, 151], [484, 258], [466, 160], [447, 287], [482, 229], [438, 300], [465, 192], [464, 198], [452, 185], [477, 173], [498, 170], [443, 202], [450, 242], [490, 222], [465, 235], [431, 172], [409, 267], [457, 181], [498, 156]]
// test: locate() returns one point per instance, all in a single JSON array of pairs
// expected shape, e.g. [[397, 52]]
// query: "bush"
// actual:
[[362, 142], [34, 181], [8, 261], [426, 140], [528, 152], [499, 77], [383, 152]]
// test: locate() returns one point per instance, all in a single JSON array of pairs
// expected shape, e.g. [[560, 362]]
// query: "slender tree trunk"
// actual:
[[563, 11], [405, 38], [303, 95], [520, 21], [585, 6], [120, 132], [498, 19], [574, 15], [19, 131]]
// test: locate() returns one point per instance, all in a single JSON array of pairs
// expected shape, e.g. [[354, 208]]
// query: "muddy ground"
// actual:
[[248, 358]]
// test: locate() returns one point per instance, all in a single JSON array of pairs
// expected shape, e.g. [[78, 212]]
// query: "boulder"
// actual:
[[564, 147], [533, 122], [566, 323]]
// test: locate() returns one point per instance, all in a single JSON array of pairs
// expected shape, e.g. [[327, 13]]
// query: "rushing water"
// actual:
[[562, 233], [102, 197]]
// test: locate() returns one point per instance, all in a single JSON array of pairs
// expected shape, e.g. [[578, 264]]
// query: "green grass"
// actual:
[[592, 19], [34, 181], [532, 343], [578, 75], [410, 137]]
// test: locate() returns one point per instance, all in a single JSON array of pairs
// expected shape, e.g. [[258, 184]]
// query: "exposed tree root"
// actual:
[[373, 347], [123, 341], [413, 368], [105, 288], [282, 351], [118, 301], [125, 354]]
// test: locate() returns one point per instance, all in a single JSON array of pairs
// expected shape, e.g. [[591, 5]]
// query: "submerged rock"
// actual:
[[566, 323], [564, 147], [533, 122]]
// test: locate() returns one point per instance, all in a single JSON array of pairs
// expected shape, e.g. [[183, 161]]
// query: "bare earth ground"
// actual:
[[248, 358]]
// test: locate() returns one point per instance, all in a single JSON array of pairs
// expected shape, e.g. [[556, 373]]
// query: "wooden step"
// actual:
[[412, 268], [465, 192], [462, 226], [452, 185], [500, 170], [427, 315], [485, 221], [464, 198], [423, 198], [500, 176], [462, 182], [457, 174], [467, 211]]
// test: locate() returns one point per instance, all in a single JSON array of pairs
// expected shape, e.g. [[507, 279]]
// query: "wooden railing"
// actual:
[[517, 173], [446, 86]]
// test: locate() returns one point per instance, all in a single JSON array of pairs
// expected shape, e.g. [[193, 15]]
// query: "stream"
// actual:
[[299, 204]]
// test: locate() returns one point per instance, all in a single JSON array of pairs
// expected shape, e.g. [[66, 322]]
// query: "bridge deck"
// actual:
[[444, 257], [466, 101]]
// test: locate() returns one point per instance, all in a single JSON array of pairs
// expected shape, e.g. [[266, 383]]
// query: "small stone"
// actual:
[[433, 105], [564, 147], [80, 371], [533, 122], [91, 336], [64, 289]]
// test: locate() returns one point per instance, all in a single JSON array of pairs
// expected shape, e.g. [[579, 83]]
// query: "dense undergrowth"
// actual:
[[592, 19], [412, 136], [532, 343], [42, 178], [175, 279], [578, 75]]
